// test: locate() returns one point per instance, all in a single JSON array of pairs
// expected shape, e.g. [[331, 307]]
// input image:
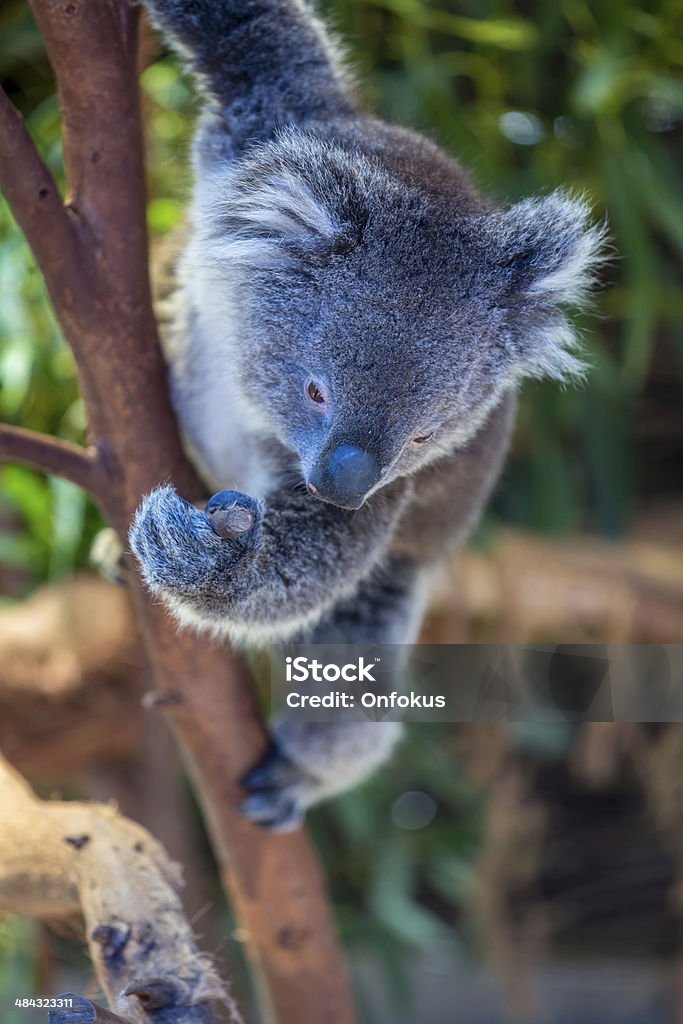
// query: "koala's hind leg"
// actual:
[[309, 761]]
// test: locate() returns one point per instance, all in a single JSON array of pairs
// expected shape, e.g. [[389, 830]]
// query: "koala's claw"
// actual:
[[273, 809], [277, 789], [232, 515], [274, 769]]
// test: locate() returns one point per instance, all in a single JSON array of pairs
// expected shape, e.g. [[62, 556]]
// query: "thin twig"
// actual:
[[52, 455]]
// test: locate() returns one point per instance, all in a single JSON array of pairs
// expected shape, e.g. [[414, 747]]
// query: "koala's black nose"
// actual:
[[345, 476]]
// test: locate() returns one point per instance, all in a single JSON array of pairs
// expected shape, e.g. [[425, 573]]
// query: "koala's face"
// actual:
[[364, 378], [378, 328]]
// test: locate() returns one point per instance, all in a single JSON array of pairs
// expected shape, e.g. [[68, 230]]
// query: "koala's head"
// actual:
[[379, 319]]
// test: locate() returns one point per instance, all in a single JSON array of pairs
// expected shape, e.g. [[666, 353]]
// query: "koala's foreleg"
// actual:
[[296, 558], [310, 761], [264, 63]]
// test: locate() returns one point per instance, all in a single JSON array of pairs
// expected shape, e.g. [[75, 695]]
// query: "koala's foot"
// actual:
[[189, 556], [309, 762], [279, 793]]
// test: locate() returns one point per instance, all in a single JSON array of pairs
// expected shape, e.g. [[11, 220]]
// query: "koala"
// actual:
[[348, 325]]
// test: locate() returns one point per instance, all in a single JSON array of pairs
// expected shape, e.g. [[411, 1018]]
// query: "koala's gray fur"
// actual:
[[328, 249]]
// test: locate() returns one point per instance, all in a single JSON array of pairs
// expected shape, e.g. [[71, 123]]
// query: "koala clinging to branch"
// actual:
[[351, 321]]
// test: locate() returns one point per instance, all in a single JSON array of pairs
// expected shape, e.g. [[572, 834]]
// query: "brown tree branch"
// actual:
[[102, 299], [52, 455], [31, 192], [97, 42], [61, 859]]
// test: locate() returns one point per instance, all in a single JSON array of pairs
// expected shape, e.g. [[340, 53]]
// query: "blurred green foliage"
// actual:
[[531, 96]]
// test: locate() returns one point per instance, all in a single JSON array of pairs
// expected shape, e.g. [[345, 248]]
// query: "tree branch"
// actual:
[[52, 455], [31, 192], [97, 42], [61, 859]]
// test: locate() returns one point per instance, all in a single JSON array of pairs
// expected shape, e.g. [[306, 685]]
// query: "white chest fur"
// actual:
[[223, 435]]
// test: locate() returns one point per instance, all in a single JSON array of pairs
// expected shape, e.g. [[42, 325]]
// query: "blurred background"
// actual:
[[494, 873]]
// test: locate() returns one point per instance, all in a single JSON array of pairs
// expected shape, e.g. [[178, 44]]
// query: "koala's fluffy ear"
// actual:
[[549, 254], [258, 220], [279, 207], [273, 208], [296, 197]]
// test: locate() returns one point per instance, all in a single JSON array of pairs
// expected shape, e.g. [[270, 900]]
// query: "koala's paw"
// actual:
[[279, 793], [185, 552]]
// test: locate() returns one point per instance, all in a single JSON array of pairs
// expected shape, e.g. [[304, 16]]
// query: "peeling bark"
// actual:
[[61, 859]]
